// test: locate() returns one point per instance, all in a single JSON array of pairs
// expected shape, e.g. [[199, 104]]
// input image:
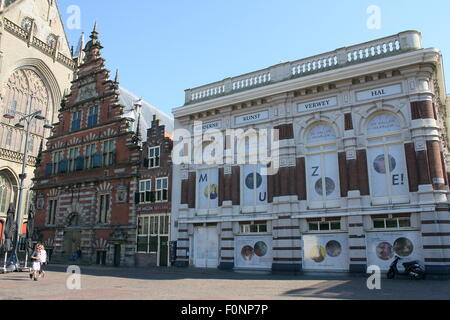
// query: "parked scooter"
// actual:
[[412, 269]]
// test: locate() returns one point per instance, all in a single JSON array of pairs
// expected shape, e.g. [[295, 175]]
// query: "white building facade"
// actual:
[[362, 156]]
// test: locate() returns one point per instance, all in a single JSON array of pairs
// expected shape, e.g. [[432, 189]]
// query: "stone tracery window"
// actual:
[[25, 92]]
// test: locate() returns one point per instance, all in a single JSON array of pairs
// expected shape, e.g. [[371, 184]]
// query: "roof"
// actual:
[[128, 99]]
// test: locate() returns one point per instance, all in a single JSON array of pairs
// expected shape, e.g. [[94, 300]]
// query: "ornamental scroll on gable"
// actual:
[[118, 236], [87, 92]]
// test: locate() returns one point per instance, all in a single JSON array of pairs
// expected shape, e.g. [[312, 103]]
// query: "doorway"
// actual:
[[163, 251], [117, 254], [206, 247], [101, 258], [72, 242]]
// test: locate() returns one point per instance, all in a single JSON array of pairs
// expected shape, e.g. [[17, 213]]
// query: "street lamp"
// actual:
[[27, 119]]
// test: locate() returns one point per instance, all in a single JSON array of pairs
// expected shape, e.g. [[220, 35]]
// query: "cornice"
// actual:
[[431, 56]]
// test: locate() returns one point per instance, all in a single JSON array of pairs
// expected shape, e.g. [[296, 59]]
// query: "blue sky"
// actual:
[[162, 48]]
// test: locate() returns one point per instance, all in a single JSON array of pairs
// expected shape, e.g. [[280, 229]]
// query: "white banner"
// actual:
[[253, 252], [388, 171], [254, 186], [315, 189], [399, 172], [208, 189], [323, 179], [382, 247], [331, 171], [326, 252]]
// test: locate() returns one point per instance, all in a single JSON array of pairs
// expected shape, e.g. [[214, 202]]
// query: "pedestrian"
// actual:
[[43, 260], [37, 257]]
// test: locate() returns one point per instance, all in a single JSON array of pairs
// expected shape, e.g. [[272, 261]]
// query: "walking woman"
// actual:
[[38, 257]]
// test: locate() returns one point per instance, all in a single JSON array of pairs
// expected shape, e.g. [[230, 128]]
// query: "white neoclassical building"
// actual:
[[363, 154], [36, 67]]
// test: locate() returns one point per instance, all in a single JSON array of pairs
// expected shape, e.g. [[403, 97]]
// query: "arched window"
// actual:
[[322, 167], [386, 160], [25, 92], [5, 194]]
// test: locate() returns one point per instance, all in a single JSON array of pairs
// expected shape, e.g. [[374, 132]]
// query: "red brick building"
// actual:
[[153, 198], [87, 179]]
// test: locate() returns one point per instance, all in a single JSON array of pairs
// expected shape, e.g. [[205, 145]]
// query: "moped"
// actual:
[[412, 269]]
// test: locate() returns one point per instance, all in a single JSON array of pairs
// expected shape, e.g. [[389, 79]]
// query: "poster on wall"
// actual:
[[254, 252], [255, 186], [382, 247], [388, 171], [326, 252], [208, 189], [323, 174]]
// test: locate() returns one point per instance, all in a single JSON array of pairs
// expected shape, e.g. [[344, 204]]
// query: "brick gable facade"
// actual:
[[87, 177]]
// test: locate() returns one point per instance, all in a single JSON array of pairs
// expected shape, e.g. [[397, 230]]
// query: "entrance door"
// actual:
[[206, 247], [72, 242], [163, 251], [101, 258], [117, 252]]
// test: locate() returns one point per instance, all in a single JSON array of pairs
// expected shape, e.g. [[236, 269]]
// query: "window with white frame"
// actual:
[[74, 153], [92, 116], [109, 152], [76, 120], [52, 207], [391, 222], [145, 188], [162, 189], [322, 167], [150, 230], [154, 154], [91, 149], [104, 206], [325, 225], [386, 160], [57, 157], [257, 227]]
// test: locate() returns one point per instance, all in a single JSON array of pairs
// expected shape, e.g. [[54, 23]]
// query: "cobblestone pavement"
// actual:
[[195, 284]]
